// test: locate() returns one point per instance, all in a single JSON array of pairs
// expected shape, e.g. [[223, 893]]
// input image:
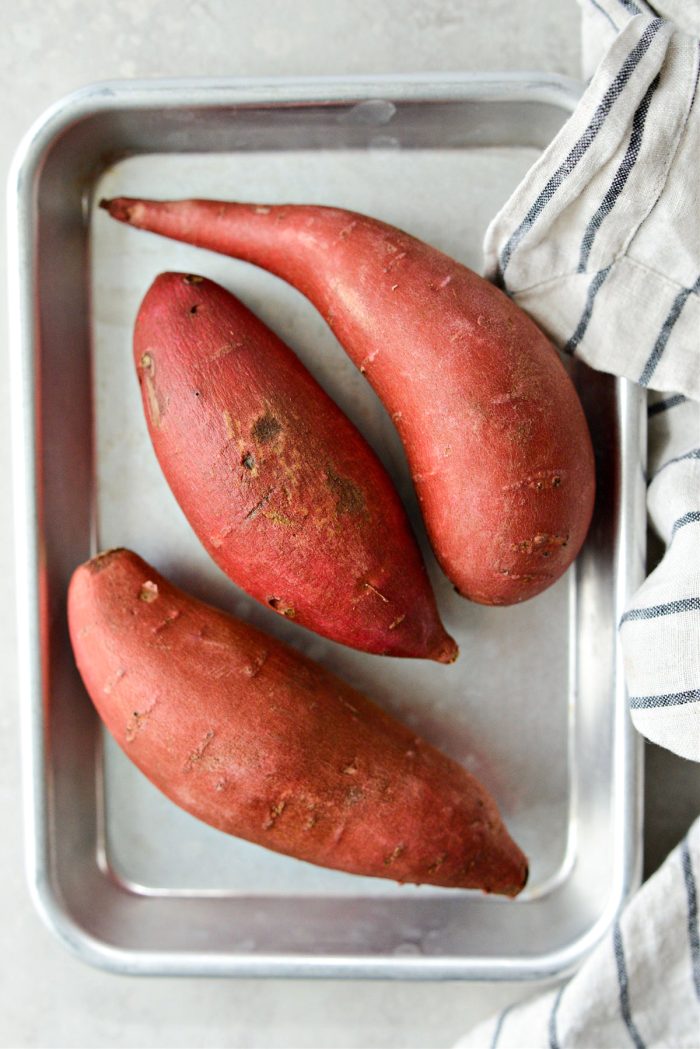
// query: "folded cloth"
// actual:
[[600, 243], [641, 985]]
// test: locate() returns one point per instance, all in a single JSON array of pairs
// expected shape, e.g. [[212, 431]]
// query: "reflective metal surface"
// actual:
[[535, 706]]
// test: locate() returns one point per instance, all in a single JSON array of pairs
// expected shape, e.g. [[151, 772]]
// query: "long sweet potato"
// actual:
[[282, 490], [260, 742], [495, 435]]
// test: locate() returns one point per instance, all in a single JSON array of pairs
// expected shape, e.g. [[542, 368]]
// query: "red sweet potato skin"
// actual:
[[495, 435], [260, 742], [282, 490]]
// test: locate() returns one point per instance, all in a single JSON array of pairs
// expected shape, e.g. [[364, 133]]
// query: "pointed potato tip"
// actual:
[[447, 651], [519, 882], [120, 208]]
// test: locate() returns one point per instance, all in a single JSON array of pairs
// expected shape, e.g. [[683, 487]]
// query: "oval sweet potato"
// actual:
[[260, 742], [280, 487], [495, 435]]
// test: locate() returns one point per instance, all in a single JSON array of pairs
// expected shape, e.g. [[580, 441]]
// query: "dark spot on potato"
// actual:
[[197, 393], [282, 607], [349, 498], [248, 461], [192, 278], [266, 428], [556, 481], [194, 309]]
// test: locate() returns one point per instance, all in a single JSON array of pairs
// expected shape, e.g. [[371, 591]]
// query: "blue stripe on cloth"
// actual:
[[623, 985], [613, 92], [666, 404], [593, 289], [665, 333], [499, 1025], [629, 5], [671, 699], [684, 604], [621, 175], [693, 930], [692, 517], [552, 1032], [602, 10]]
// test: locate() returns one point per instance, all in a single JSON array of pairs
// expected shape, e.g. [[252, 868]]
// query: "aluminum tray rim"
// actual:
[[26, 165]]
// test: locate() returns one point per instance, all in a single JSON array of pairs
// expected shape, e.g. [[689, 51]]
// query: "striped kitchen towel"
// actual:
[[639, 988], [601, 245]]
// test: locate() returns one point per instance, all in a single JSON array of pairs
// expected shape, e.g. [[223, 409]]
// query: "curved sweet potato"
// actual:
[[282, 490], [260, 742], [495, 435]]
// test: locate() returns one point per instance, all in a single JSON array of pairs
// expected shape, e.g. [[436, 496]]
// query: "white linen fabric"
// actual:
[[641, 985], [601, 245]]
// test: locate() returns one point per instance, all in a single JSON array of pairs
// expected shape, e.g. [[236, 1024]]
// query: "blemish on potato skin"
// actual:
[[266, 428], [398, 851], [542, 543], [275, 813], [353, 796], [542, 481], [349, 498], [281, 607], [195, 756], [255, 665], [169, 619], [147, 377], [136, 723], [280, 519], [114, 680], [347, 230], [437, 863], [253, 513], [379, 594], [392, 262], [103, 559], [148, 592]]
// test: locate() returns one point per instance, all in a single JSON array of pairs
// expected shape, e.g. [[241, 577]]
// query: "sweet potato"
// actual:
[[260, 742], [282, 490], [496, 438]]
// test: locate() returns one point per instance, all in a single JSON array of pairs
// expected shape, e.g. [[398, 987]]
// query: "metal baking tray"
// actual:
[[536, 704]]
